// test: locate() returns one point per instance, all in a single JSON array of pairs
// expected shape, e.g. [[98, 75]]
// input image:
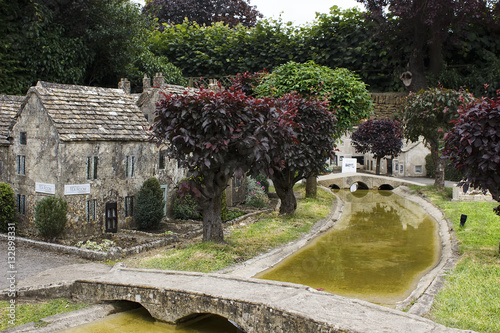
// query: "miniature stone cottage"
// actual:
[[89, 145]]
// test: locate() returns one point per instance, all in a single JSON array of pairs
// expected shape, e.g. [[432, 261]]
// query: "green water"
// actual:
[[140, 320], [378, 250]]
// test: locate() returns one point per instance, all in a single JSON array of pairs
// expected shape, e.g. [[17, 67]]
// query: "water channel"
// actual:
[[379, 249]]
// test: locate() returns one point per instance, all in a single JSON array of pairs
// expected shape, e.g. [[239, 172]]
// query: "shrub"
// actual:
[[50, 216], [185, 208], [263, 181], [256, 196], [149, 207], [7, 207]]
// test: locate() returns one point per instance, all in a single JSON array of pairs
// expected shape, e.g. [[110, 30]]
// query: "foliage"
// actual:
[[50, 216], [345, 38], [218, 50], [148, 211], [215, 135], [423, 27], [256, 194], [231, 12], [260, 178], [429, 113], [346, 94], [185, 208], [473, 145], [7, 207], [382, 137], [77, 42], [90, 245], [314, 131]]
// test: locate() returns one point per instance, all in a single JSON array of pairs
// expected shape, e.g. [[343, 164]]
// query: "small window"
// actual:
[[92, 167], [161, 160], [129, 206], [21, 204], [94, 210], [1, 167], [89, 210], [147, 117], [130, 166], [418, 169], [22, 138], [21, 165]]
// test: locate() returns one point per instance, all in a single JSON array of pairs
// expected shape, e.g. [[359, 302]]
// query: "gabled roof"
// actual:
[[81, 113], [9, 106]]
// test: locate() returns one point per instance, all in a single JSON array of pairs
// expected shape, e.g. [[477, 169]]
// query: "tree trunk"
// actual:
[[416, 61], [311, 187], [439, 165], [377, 168], [212, 222], [284, 190]]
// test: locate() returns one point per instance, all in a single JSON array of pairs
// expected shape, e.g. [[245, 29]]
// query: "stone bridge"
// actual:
[[255, 305], [364, 181]]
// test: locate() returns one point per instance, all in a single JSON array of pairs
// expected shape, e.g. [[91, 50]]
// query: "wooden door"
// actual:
[[111, 221]]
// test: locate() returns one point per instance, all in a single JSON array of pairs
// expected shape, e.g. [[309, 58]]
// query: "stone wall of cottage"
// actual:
[[48, 160]]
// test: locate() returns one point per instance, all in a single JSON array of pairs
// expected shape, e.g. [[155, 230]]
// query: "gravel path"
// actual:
[[30, 261]]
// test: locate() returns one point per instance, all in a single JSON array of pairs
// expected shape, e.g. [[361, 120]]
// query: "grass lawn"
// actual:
[[244, 242], [33, 312], [470, 298]]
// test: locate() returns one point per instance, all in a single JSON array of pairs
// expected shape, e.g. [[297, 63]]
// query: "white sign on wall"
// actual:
[[45, 188], [77, 189], [349, 165]]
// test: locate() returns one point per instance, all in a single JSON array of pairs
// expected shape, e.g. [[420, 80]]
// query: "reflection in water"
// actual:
[[140, 320], [377, 251]]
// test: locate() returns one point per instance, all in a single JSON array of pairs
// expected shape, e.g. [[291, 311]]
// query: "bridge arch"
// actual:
[[385, 187]]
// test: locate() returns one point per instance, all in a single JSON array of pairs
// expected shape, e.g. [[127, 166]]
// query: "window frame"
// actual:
[[21, 165], [23, 138]]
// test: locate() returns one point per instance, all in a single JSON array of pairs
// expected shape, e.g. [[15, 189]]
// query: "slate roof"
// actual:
[[9, 106], [82, 113]]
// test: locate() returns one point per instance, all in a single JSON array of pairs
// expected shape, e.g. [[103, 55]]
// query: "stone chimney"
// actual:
[[159, 81], [146, 83], [124, 85]]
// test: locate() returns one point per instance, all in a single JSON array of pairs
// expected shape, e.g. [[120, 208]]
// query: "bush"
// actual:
[[50, 216], [263, 181], [149, 207], [185, 208], [7, 207], [256, 196]]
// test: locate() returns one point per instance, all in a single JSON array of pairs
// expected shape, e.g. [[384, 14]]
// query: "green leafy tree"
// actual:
[[203, 12], [473, 145], [50, 216], [79, 42], [347, 96], [382, 137], [422, 28], [7, 207], [148, 211], [429, 114]]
